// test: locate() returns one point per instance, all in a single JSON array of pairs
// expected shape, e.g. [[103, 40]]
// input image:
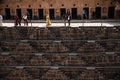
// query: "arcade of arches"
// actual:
[[99, 9]]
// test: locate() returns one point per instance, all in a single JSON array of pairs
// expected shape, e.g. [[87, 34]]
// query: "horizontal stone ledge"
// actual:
[[54, 67], [73, 54], [39, 54], [90, 68], [91, 41], [20, 67], [24, 40], [109, 52], [70, 67], [57, 41], [4, 53]]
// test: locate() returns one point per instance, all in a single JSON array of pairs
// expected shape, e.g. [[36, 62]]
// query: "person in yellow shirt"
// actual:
[[48, 22]]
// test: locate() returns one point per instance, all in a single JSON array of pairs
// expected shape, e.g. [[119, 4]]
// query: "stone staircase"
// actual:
[[60, 53]]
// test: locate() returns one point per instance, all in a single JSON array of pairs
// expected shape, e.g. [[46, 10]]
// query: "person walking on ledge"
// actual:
[[48, 22], [69, 19], [1, 18], [64, 17], [25, 18], [17, 21]]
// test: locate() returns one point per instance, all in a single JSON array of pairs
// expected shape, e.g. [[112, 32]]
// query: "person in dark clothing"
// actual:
[[64, 17], [17, 21], [84, 14]]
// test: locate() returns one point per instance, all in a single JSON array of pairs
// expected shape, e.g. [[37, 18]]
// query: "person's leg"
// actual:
[[16, 23], [86, 16], [20, 22], [64, 22], [68, 22], [49, 22], [26, 21], [0, 23]]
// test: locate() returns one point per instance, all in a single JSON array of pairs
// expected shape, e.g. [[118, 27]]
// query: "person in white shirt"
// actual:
[[84, 14], [25, 18], [69, 19], [1, 18]]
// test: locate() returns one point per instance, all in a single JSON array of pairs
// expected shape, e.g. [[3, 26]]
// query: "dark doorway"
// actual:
[[111, 13], [62, 12], [98, 12], [40, 13], [74, 13], [7, 13], [18, 12], [86, 11], [52, 13], [29, 13]]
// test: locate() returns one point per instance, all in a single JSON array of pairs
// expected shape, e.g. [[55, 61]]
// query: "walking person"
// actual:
[[29, 17], [69, 19], [25, 18], [1, 18], [48, 22], [64, 17], [84, 14], [17, 21]]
